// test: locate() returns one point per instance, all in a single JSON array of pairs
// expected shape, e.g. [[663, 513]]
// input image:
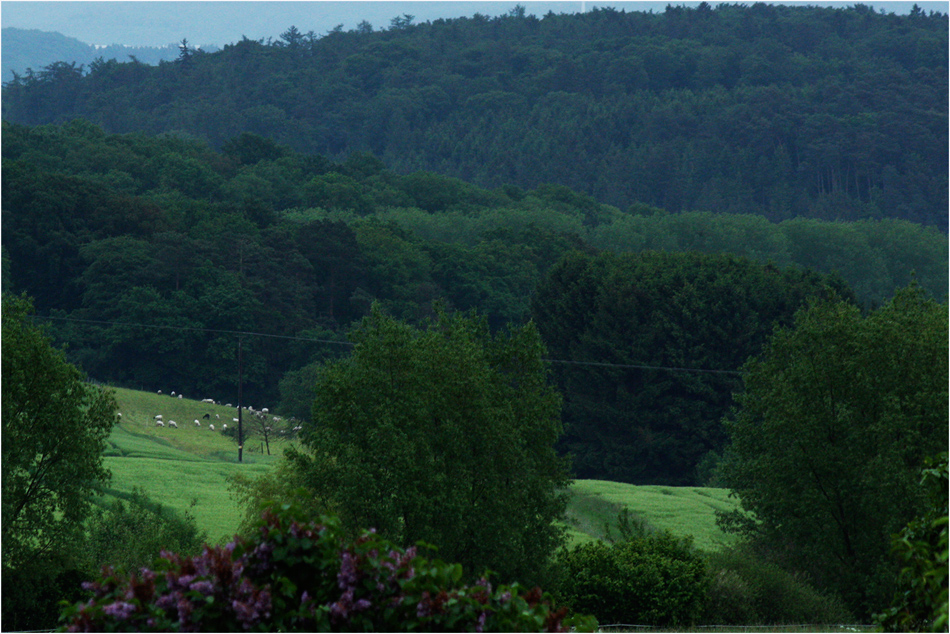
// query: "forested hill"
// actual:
[[773, 110], [151, 254], [28, 51]]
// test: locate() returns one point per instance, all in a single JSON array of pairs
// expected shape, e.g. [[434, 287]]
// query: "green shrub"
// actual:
[[129, 533], [653, 579], [744, 590], [920, 603], [295, 576]]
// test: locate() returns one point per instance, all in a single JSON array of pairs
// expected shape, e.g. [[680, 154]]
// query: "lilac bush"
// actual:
[[305, 576]]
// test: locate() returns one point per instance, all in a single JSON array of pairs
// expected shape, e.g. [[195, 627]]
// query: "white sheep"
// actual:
[[265, 411], [224, 426], [159, 391], [172, 423], [158, 417], [179, 396], [173, 392], [159, 423], [218, 416], [211, 427], [234, 420], [228, 405], [119, 414], [197, 423]]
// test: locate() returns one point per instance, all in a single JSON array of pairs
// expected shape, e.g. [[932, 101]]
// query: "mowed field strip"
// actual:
[[187, 469]]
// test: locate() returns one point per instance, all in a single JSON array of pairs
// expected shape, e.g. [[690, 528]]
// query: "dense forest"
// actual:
[[780, 111], [150, 255]]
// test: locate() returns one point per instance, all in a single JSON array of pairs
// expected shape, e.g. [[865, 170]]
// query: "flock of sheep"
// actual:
[[160, 422], [160, 419]]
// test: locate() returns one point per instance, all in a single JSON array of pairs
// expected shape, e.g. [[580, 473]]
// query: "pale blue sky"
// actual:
[[211, 22]]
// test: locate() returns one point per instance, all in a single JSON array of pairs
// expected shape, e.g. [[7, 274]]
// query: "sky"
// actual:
[[158, 23]]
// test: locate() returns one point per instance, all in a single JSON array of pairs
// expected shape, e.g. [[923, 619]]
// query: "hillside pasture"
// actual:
[[187, 469], [681, 510]]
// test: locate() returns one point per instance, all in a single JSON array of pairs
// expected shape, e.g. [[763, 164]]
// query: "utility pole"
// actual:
[[240, 404]]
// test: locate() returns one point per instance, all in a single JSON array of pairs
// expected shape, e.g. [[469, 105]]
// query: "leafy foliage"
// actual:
[[829, 436], [306, 576], [654, 579], [920, 603], [444, 434], [745, 589], [54, 430], [676, 327], [128, 533]]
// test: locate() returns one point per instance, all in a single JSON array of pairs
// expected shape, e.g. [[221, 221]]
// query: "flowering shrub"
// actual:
[[298, 576]]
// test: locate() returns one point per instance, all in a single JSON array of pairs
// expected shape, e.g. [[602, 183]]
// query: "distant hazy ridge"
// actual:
[[23, 49]]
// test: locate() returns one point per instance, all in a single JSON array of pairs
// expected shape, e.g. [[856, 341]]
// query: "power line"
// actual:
[[643, 367], [350, 343], [192, 329]]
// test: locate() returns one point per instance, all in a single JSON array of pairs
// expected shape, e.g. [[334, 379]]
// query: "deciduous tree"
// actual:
[[55, 426], [444, 434], [832, 429]]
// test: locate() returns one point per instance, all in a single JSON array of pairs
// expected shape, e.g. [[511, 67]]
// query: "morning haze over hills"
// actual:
[[680, 250]]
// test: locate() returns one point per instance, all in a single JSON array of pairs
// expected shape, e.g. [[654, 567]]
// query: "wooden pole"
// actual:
[[240, 405]]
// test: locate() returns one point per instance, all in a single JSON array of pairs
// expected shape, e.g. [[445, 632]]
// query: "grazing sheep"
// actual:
[[207, 400], [206, 417], [179, 396], [173, 392], [211, 427], [265, 411], [159, 391], [234, 419], [158, 417], [228, 405], [224, 426], [197, 424], [119, 414], [218, 416], [172, 423], [159, 423]]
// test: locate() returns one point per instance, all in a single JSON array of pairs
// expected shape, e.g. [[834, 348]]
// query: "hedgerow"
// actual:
[[306, 576]]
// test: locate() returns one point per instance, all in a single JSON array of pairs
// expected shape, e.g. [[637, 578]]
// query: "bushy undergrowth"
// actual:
[[744, 590], [130, 531], [656, 579], [920, 603], [296, 576]]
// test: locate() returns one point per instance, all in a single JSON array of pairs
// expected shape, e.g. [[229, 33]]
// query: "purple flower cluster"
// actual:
[[119, 610], [303, 577]]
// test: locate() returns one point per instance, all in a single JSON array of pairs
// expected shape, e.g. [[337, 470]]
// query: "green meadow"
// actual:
[[187, 469], [184, 468]]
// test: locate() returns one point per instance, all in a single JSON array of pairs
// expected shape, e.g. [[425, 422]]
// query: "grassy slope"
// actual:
[[179, 466], [682, 510]]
